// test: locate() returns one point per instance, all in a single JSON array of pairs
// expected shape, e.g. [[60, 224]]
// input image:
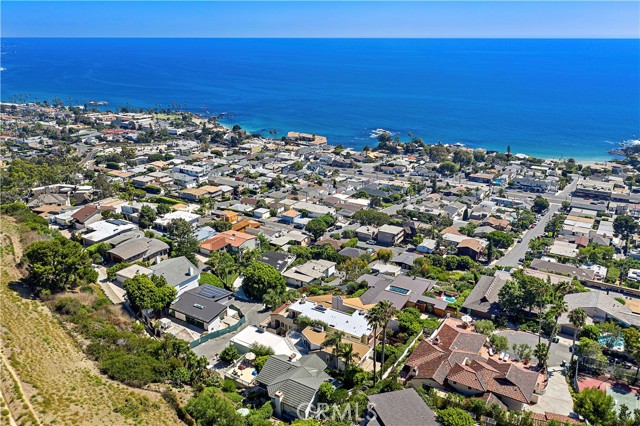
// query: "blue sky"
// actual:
[[501, 19]]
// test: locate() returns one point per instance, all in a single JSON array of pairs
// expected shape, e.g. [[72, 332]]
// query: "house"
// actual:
[[390, 235], [278, 260], [590, 188], [531, 185], [293, 385], [179, 273], [399, 408], [482, 302], [599, 307], [383, 268], [232, 241], [427, 246], [202, 307], [135, 249], [353, 324], [204, 233], [310, 271], [471, 247], [261, 213], [105, 229], [313, 337], [86, 216], [281, 345], [367, 233], [562, 269], [499, 224], [401, 291], [289, 216], [452, 358], [162, 223], [292, 237], [405, 259], [351, 252], [131, 271]]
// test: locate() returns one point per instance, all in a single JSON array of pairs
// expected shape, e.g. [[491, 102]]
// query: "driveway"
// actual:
[[254, 314], [557, 354], [557, 398]]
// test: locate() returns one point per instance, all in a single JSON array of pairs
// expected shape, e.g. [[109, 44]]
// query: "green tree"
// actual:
[[223, 266], [144, 292], [557, 309], [540, 204], [577, 318], [595, 406], [523, 351], [259, 278], [463, 157], [59, 264], [499, 343], [386, 314], [438, 153], [211, 408], [334, 340], [184, 242], [632, 346], [147, 216], [316, 227], [163, 209], [349, 355], [625, 226], [511, 298], [371, 217], [229, 354], [541, 354], [500, 239], [447, 168], [589, 348], [485, 327], [384, 255], [454, 417], [374, 319]]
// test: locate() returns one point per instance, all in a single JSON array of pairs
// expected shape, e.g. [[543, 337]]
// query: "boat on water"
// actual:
[[98, 103], [458, 144]]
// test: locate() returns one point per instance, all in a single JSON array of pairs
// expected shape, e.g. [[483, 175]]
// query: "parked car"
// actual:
[[371, 242]]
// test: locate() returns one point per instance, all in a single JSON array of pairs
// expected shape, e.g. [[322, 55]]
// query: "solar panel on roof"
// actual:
[[211, 291]]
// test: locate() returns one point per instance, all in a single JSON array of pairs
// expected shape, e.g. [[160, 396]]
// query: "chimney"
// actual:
[[337, 303], [190, 271], [277, 401]]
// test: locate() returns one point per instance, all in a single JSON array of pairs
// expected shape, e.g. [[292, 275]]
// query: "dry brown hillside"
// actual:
[[45, 378]]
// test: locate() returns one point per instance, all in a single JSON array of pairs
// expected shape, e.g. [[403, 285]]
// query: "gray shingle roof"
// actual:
[[298, 380], [175, 271], [484, 296], [138, 246], [402, 408]]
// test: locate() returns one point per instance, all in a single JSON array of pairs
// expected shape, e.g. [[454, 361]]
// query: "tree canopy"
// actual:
[[260, 278], [59, 264], [146, 292], [185, 244], [212, 408]]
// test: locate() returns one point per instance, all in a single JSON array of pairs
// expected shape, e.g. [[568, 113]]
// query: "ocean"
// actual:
[[548, 98]]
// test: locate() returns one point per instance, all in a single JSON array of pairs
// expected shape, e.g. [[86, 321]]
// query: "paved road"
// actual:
[[558, 353], [520, 249], [254, 316]]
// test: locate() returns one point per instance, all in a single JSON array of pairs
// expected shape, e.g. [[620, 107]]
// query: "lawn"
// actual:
[[53, 378]]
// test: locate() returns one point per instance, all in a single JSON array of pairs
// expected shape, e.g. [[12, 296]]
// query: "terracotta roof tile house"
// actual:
[[229, 240], [453, 358]]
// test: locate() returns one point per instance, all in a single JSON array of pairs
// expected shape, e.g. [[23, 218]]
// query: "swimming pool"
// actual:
[[448, 299], [617, 345]]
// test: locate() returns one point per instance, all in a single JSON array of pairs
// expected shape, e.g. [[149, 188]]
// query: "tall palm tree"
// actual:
[[334, 339], [558, 308], [386, 313], [374, 319], [577, 318], [348, 354]]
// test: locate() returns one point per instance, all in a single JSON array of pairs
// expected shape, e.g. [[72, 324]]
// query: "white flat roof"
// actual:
[[252, 334], [354, 324]]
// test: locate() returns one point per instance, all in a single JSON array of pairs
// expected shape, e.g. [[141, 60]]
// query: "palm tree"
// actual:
[[386, 313], [577, 318], [559, 307], [334, 339], [374, 317], [349, 355]]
